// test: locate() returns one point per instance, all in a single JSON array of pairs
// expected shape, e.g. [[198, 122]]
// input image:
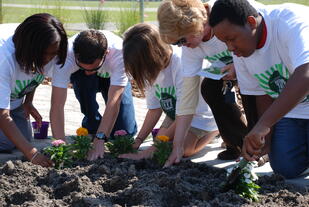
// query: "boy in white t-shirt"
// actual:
[[27, 55], [94, 64], [156, 66], [271, 48]]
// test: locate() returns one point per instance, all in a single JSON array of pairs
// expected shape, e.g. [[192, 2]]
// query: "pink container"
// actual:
[[40, 133]]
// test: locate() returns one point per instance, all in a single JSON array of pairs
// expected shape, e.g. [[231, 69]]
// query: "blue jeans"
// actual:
[[289, 155], [85, 89], [23, 124]]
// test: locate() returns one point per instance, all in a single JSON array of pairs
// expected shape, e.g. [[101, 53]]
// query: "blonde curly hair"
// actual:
[[178, 18]]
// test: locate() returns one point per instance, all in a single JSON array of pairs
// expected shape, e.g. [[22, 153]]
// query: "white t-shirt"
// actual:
[[167, 87], [112, 67], [267, 70], [207, 54], [15, 84]]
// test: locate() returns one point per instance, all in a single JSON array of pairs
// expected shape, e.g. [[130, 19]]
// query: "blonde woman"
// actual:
[[156, 67]]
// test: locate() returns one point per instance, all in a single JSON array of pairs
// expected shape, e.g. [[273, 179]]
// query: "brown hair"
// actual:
[[32, 38], [178, 18], [144, 54], [89, 45]]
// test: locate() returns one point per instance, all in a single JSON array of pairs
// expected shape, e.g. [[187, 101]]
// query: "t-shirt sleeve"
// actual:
[[61, 75], [6, 76], [296, 44], [118, 75], [151, 100], [247, 83], [192, 61]]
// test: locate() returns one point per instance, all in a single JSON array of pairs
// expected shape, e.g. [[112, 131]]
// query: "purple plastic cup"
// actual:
[[154, 132], [40, 133]]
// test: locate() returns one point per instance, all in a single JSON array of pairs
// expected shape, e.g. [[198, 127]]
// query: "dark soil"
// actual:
[[116, 182]]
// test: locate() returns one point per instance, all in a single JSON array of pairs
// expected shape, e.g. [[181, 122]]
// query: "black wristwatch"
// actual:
[[101, 136]]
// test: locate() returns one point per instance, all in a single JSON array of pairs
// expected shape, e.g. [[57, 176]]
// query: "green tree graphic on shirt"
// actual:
[[167, 98], [25, 86], [103, 75], [274, 80], [225, 57]]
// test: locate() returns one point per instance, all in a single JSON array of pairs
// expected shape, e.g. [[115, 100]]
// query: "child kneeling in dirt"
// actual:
[[156, 66]]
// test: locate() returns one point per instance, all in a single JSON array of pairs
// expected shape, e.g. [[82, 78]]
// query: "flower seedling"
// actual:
[[81, 144], [163, 149], [60, 153], [121, 144], [242, 179]]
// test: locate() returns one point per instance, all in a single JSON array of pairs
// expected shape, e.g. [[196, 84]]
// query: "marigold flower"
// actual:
[[163, 138], [57, 142], [82, 131], [120, 133]]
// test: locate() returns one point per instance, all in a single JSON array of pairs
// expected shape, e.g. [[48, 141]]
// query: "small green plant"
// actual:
[[127, 18], [95, 18], [80, 146], [163, 149], [60, 153], [121, 144], [242, 179]]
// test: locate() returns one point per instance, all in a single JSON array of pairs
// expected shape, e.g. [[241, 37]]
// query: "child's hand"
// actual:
[[231, 74]]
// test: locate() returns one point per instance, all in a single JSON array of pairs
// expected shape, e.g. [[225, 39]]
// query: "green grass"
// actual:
[[117, 4], [15, 15], [305, 2]]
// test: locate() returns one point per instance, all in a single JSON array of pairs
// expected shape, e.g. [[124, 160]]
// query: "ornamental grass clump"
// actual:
[[60, 153], [121, 144], [81, 144], [163, 149], [242, 180]]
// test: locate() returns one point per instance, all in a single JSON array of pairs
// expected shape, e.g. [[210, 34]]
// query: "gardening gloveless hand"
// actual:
[[254, 142], [175, 156], [42, 160], [31, 110], [97, 151]]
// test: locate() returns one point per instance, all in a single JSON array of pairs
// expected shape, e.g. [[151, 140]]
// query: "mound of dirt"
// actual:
[[116, 182]]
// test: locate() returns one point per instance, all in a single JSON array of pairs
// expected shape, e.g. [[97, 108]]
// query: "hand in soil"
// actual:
[[42, 160], [175, 156], [254, 142], [145, 154], [97, 150]]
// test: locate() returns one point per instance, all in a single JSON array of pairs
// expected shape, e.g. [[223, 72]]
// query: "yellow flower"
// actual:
[[82, 131], [163, 138]]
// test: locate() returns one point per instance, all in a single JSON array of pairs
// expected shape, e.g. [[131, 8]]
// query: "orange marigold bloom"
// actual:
[[163, 138], [82, 131]]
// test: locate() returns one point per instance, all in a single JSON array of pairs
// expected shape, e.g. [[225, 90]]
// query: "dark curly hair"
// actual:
[[89, 45], [32, 38], [235, 11]]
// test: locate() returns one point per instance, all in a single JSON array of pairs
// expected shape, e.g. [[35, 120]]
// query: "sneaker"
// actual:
[[229, 154]]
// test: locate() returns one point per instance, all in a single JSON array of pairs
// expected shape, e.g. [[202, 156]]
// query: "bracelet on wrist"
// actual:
[[34, 156]]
